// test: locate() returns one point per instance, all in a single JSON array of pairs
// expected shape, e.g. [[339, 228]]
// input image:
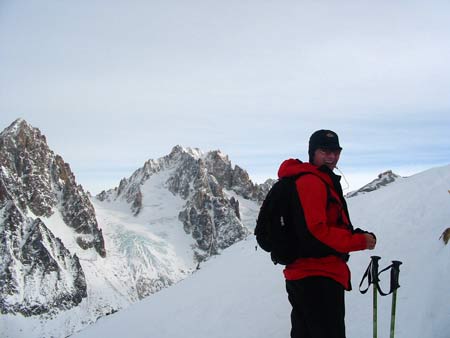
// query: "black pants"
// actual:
[[318, 308]]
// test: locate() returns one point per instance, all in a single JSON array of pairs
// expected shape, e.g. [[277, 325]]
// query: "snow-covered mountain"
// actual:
[[241, 293], [68, 259], [382, 180], [190, 205], [38, 273], [200, 190]]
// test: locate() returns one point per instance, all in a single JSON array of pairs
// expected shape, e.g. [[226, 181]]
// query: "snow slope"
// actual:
[[241, 293], [236, 294]]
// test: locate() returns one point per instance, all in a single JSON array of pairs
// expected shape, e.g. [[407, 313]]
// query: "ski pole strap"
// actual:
[[371, 274], [378, 286], [395, 272]]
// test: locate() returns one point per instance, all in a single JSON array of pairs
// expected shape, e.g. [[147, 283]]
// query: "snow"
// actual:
[[241, 293], [67, 235], [408, 218], [157, 223], [222, 299], [160, 214], [248, 209]]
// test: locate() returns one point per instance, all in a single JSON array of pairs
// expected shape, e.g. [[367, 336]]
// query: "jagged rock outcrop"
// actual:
[[209, 216], [41, 181], [236, 179], [38, 274], [382, 180], [264, 188]]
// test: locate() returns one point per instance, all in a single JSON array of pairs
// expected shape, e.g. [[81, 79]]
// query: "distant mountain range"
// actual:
[[67, 257], [64, 252]]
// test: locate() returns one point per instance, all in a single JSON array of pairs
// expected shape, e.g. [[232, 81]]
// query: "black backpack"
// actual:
[[281, 227]]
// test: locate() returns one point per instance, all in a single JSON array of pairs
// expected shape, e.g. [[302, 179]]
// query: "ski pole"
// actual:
[[375, 280], [395, 272], [372, 278]]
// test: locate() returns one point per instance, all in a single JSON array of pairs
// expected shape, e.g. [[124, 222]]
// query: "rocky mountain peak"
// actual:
[[383, 179], [20, 126], [36, 184], [25, 142], [202, 180], [179, 151], [191, 169]]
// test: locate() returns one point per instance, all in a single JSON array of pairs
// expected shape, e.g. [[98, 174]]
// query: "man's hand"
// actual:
[[370, 241]]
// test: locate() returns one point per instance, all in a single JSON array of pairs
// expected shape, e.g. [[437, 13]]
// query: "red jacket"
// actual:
[[327, 221]]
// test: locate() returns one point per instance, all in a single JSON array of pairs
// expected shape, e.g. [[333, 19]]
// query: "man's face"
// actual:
[[326, 157]]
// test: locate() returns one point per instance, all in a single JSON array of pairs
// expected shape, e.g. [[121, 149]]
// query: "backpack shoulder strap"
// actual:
[[327, 185]]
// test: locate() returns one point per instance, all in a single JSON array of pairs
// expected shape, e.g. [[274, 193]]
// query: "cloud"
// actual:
[[114, 85]]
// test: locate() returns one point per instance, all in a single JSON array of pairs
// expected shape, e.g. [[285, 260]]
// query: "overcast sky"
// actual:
[[115, 83]]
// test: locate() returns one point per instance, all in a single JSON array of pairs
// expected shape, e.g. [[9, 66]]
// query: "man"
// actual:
[[316, 285]]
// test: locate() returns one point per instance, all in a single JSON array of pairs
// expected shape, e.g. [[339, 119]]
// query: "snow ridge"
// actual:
[[383, 179]]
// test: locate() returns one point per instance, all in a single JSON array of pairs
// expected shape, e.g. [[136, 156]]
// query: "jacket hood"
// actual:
[[292, 167]]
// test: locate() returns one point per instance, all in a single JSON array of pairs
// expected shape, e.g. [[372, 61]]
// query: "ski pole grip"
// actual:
[[374, 269], [371, 274], [395, 272]]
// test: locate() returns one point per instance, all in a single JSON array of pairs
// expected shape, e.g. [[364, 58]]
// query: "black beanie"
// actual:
[[325, 139]]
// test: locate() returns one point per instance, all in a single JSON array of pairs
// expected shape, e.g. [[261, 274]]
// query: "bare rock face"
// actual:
[[209, 216], [41, 181], [235, 179], [37, 273], [25, 168]]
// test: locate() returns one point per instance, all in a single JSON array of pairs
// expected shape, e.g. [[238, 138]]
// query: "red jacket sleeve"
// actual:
[[313, 197]]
